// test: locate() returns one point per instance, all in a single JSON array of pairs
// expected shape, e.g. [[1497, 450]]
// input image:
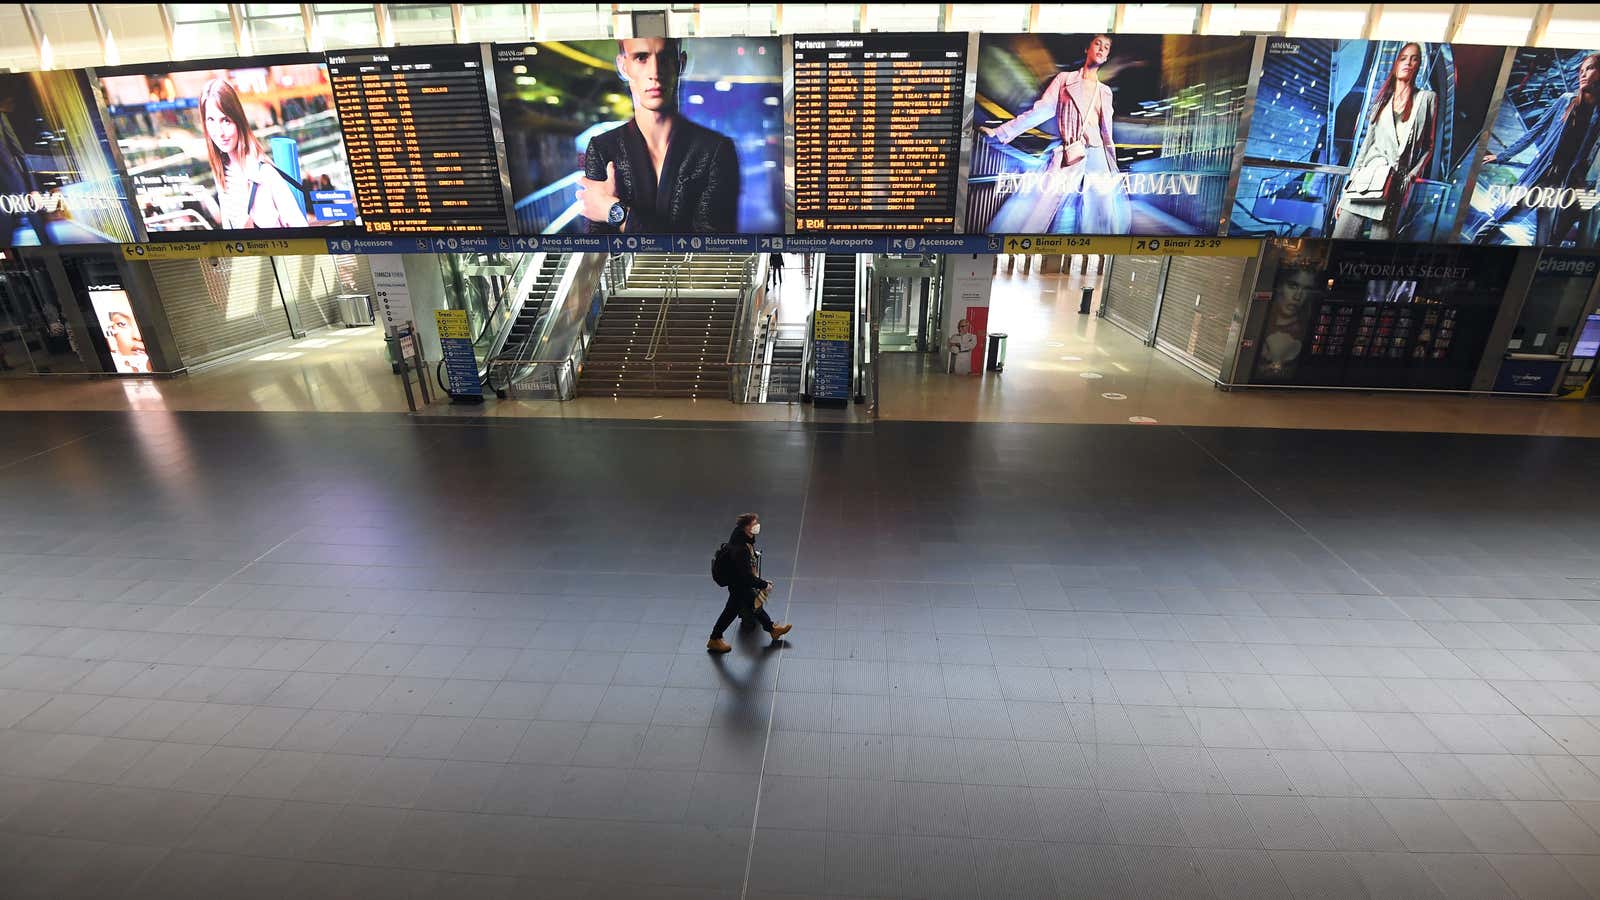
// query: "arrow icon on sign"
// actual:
[[682, 243], [616, 243]]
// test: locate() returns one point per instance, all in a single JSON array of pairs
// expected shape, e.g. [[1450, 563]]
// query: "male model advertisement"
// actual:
[[1362, 139], [255, 148], [644, 135], [1537, 183], [58, 184], [1105, 134]]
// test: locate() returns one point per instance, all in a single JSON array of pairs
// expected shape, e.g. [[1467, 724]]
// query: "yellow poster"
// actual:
[[452, 324], [832, 325]]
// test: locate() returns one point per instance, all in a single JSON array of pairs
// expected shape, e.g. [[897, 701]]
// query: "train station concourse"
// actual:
[[756, 451]]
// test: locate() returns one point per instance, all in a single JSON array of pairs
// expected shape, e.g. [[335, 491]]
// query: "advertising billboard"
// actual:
[[1362, 139], [644, 135], [1536, 186], [121, 330], [249, 146], [1105, 134], [58, 181]]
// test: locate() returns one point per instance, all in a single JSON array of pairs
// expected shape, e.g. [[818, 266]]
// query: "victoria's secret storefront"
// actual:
[[1374, 315]]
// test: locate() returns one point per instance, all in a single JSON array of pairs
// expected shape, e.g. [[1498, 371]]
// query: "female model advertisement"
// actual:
[[1564, 138], [1081, 193], [1395, 152], [251, 191]]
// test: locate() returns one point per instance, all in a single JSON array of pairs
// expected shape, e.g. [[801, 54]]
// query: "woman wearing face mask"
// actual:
[[251, 191], [1395, 152], [743, 584]]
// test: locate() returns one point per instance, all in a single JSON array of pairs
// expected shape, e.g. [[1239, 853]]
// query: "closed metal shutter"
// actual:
[[311, 282], [1131, 293], [220, 306], [1197, 309]]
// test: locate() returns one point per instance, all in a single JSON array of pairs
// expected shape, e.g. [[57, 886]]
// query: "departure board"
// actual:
[[877, 131], [422, 152]]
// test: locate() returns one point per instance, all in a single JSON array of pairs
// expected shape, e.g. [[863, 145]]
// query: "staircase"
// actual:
[[685, 307]]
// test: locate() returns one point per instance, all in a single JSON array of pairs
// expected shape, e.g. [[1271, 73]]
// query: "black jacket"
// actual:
[[745, 582], [699, 188]]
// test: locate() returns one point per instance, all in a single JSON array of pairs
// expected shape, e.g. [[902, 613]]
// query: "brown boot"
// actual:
[[779, 631], [718, 645]]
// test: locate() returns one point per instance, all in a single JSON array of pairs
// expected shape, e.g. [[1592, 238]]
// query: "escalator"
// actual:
[[541, 292]]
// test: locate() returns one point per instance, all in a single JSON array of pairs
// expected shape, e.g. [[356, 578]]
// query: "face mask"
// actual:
[[755, 529]]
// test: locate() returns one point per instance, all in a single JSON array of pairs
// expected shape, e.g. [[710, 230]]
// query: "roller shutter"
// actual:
[[1197, 309], [1131, 293], [220, 306]]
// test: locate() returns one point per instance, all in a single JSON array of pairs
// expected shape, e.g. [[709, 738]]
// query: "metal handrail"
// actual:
[[667, 297]]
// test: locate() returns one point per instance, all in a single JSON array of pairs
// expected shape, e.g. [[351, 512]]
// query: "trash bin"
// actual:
[[997, 351], [1086, 302], [355, 310]]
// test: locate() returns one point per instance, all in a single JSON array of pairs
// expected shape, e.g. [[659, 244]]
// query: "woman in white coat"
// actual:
[[1395, 153]]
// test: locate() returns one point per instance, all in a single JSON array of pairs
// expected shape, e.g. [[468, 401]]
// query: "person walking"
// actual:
[[775, 270], [737, 562]]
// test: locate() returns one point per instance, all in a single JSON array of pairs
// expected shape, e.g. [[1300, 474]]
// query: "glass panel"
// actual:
[[569, 21], [901, 17], [203, 39], [1071, 19], [279, 34], [417, 23], [802, 18], [1550, 314], [17, 52], [1575, 25], [738, 19], [494, 22], [272, 9], [348, 29], [1496, 23], [73, 40], [1245, 18], [1160, 18], [1331, 20], [987, 17], [1412, 22], [34, 334], [135, 33], [197, 12]]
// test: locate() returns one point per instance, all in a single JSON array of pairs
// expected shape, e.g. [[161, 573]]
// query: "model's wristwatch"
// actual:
[[617, 214]]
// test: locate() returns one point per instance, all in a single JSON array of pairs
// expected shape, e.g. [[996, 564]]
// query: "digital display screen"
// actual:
[[577, 117], [416, 122], [1588, 345], [1105, 134], [246, 146], [1362, 139], [1536, 187], [121, 330], [58, 182], [877, 131]]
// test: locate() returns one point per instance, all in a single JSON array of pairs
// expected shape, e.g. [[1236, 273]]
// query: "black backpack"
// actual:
[[720, 563]]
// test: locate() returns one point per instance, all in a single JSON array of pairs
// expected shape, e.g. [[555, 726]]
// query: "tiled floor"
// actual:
[[361, 656]]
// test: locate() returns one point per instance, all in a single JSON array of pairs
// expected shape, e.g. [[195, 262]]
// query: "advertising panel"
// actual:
[[1537, 183], [1362, 139], [121, 329], [249, 146], [1364, 314], [644, 135], [58, 183], [1105, 134]]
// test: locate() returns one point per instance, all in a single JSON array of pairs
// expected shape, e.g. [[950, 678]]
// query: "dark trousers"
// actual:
[[736, 604]]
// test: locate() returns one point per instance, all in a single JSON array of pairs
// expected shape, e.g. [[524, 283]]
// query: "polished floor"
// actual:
[[348, 655]]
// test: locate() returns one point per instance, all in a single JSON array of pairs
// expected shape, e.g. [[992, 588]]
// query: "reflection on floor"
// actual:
[[1052, 361], [1065, 368]]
